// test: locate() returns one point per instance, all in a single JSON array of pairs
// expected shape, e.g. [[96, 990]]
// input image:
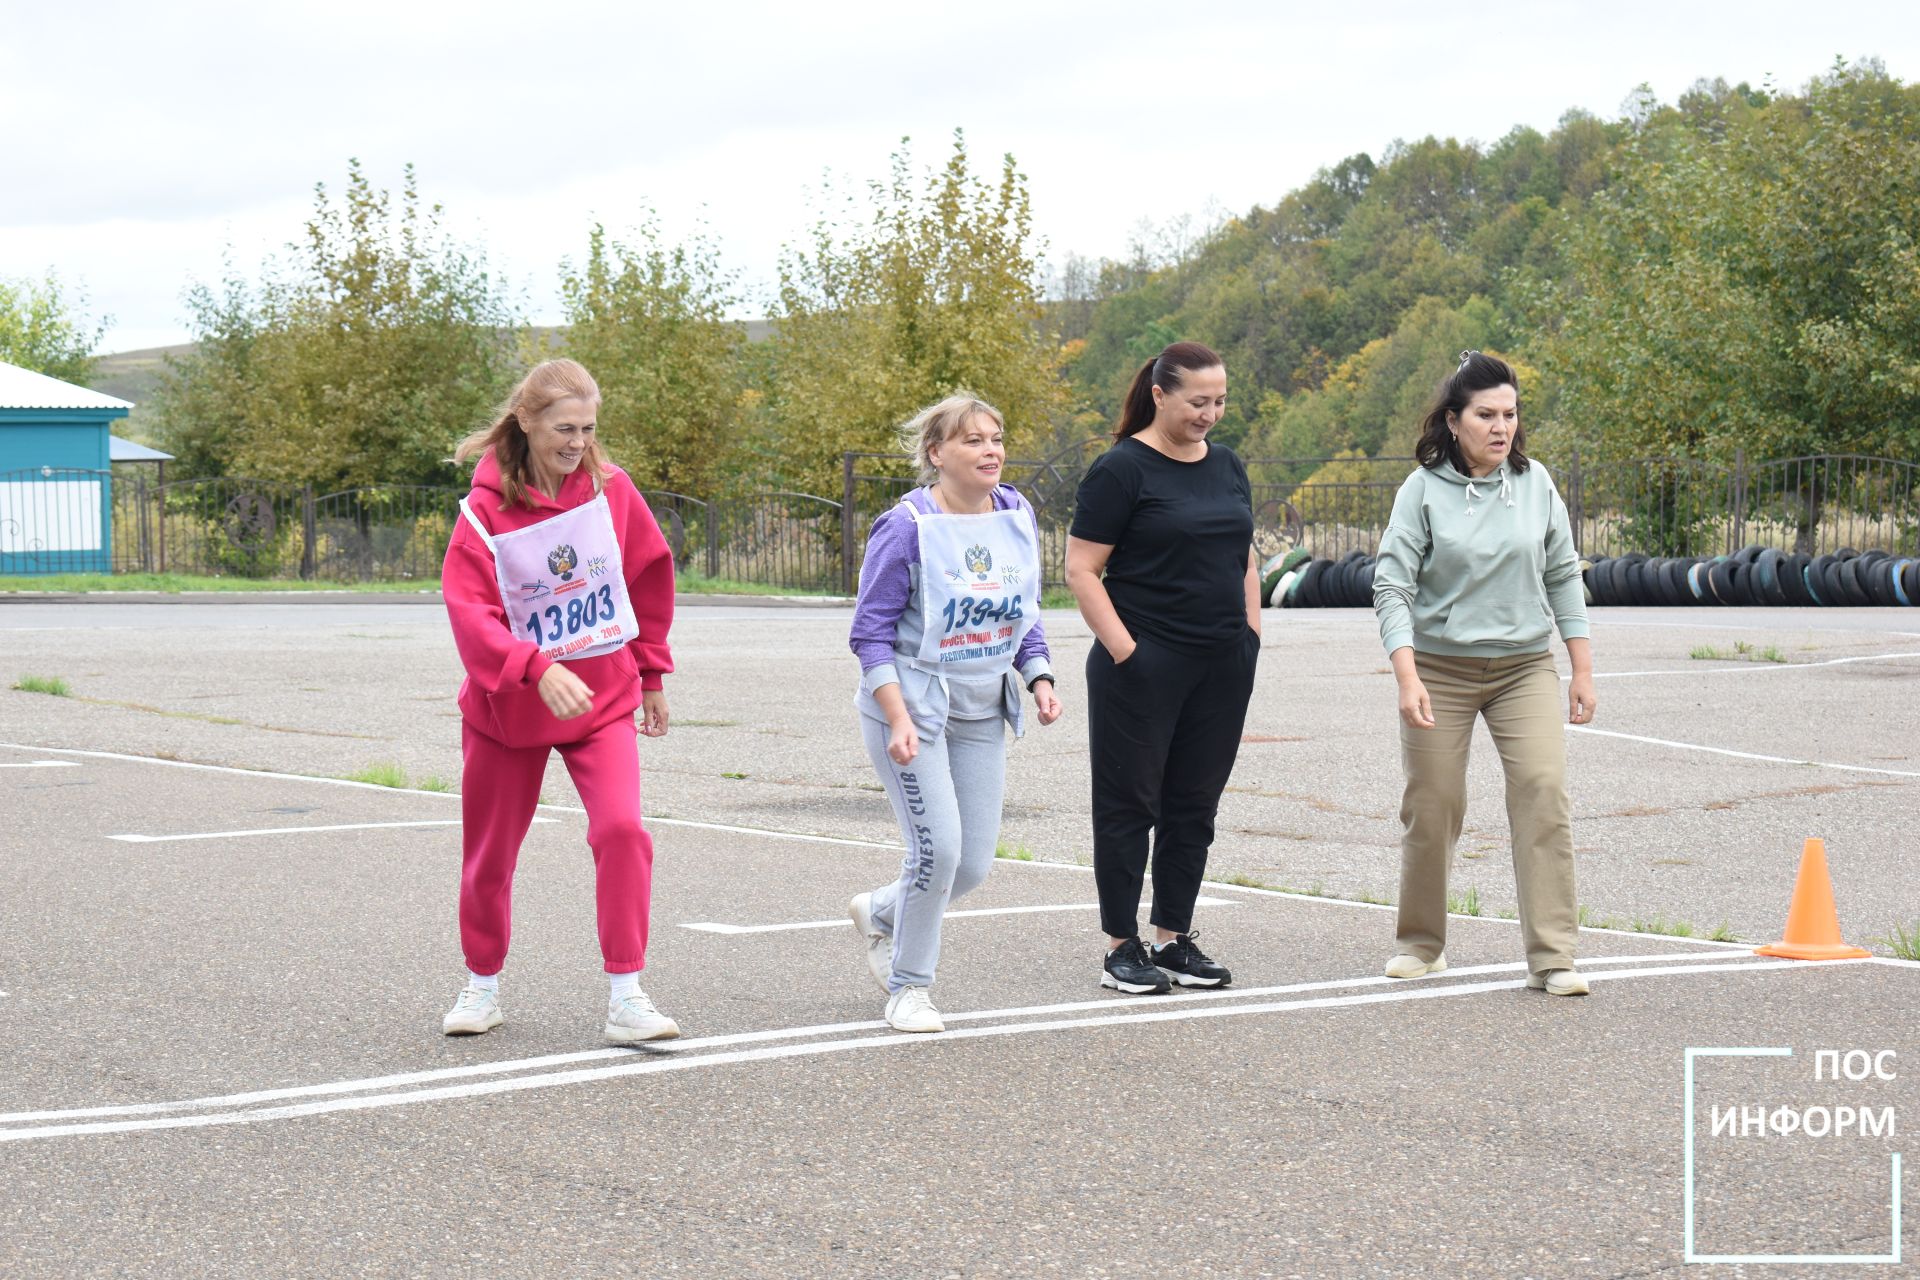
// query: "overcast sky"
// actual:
[[138, 141]]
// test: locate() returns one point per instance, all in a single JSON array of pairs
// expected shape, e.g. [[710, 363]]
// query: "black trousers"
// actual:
[[1164, 728]]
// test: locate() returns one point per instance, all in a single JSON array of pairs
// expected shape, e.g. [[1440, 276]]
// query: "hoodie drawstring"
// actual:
[[1505, 495]]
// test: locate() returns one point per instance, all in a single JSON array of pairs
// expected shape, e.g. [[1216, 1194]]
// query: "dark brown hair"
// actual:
[[1477, 372], [1163, 371]]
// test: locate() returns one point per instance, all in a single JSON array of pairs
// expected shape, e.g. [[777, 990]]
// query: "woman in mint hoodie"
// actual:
[[1476, 569]]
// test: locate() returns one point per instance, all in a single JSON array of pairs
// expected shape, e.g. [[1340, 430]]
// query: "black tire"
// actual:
[[1877, 577], [1851, 586], [1911, 581], [1309, 590], [1740, 574], [1673, 583], [1749, 553], [1793, 581], [1363, 578], [1815, 577], [1596, 576], [1767, 568], [1697, 582], [1617, 579], [1720, 582], [1835, 594]]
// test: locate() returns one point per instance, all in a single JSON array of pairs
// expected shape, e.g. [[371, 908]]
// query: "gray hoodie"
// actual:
[[1478, 568]]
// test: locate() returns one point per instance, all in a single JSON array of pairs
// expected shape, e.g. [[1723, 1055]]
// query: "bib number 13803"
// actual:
[[554, 623]]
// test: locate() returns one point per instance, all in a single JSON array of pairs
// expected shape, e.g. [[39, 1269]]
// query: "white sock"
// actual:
[[491, 982], [623, 984]]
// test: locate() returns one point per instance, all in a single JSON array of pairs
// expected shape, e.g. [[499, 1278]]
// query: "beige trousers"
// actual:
[[1520, 698]]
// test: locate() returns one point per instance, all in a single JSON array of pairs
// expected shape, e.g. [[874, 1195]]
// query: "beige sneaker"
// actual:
[[1410, 966], [1558, 982]]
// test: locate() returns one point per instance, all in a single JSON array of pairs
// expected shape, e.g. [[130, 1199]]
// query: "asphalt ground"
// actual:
[[223, 1054]]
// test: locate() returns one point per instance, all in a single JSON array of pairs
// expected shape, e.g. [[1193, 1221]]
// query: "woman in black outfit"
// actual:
[[1168, 516]]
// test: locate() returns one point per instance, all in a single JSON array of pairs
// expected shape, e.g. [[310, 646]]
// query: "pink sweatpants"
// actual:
[[499, 789]]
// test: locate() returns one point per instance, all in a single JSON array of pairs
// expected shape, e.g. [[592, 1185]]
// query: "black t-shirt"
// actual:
[[1180, 532]]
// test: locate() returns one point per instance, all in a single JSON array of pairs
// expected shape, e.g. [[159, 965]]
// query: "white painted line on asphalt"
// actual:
[[41, 764], [507, 1066], [1145, 1013], [291, 831], [1741, 755], [1751, 668], [1716, 625], [844, 922]]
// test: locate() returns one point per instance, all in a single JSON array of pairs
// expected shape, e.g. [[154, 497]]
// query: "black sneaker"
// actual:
[[1184, 962], [1128, 969]]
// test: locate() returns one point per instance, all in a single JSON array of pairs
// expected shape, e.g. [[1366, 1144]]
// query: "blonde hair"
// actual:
[[936, 424], [545, 384]]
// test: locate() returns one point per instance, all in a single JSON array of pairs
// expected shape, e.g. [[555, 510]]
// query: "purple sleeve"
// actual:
[[1034, 643], [885, 585]]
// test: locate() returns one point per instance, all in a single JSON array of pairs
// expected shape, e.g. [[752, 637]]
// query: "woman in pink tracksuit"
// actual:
[[560, 589]]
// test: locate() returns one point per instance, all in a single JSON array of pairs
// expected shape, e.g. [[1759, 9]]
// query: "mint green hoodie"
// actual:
[[1478, 568]]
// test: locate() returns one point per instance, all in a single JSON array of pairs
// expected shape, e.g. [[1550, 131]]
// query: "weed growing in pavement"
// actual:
[[735, 776], [433, 783], [1019, 853], [1372, 899], [1742, 648], [705, 724], [1904, 942], [44, 684], [1660, 924], [1591, 919], [1722, 932], [1464, 904], [381, 773], [1772, 654], [1707, 651]]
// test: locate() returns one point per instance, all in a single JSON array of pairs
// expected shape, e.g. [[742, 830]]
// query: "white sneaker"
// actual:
[[911, 1009], [1410, 966], [879, 945], [475, 1011], [1558, 982], [631, 1019]]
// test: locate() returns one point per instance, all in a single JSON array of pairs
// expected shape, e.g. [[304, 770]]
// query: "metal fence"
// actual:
[[66, 521]]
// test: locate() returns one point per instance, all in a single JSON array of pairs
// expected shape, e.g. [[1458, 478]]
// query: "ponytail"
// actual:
[[1165, 371]]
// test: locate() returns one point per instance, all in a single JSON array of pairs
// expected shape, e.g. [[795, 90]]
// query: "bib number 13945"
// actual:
[[583, 612]]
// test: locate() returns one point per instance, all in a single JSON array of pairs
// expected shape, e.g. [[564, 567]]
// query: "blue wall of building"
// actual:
[[59, 523]]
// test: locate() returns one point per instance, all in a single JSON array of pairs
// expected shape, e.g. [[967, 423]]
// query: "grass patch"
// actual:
[[1464, 904], [1591, 919], [1058, 598], [1904, 942], [1019, 852], [381, 773], [1772, 654], [1742, 651], [735, 776], [175, 583], [1707, 651], [1722, 932], [433, 782], [700, 584], [1661, 925], [705, 724], [53, 685]]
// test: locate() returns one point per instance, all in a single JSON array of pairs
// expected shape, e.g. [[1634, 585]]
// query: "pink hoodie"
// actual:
[[499, 697]]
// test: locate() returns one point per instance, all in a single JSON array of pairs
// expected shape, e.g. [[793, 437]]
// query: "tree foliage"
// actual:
[[650, 322], [43, 329], [1750, 280], [358, 360], [931, 288]]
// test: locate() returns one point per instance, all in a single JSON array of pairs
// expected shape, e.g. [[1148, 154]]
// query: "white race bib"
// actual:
[[979, 589], [563, 582]]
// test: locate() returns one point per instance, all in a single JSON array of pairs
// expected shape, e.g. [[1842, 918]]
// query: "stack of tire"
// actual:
[[1755, 576], [1296, 580]]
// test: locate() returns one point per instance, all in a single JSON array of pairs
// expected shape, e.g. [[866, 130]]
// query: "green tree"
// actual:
[[1750, 283], [43, 330], [934, 290], [651, 324], [358, 361]]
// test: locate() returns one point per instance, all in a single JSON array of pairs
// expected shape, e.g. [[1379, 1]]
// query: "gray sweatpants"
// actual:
[[948, 804]]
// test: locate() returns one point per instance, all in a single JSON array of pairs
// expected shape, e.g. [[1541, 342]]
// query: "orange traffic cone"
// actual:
[[1813, 926]]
